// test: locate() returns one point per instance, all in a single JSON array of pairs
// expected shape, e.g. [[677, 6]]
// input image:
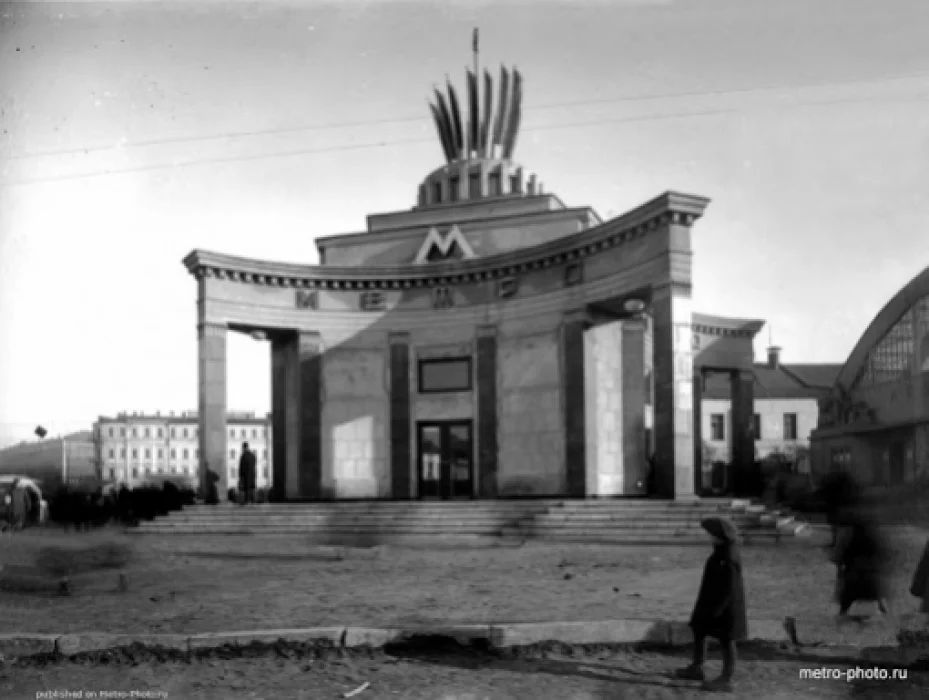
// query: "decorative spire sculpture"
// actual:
[[488, 134]]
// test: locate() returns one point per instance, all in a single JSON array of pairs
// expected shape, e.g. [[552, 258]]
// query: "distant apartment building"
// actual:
[[786, 410], [139, 448], [53, 461]]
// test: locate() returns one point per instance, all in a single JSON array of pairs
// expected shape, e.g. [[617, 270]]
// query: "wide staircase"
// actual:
[[618, 521]]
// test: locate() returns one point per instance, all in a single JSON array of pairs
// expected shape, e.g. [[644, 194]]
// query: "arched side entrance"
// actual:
[[725, 346]]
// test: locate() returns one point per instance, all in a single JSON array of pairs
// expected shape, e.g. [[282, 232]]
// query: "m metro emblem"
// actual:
[[443, 245]]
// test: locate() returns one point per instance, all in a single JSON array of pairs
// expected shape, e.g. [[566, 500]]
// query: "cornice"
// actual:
[[723, 326], [670, 208]]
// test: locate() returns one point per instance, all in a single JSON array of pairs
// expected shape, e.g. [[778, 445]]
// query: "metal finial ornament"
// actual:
[[490, 130]]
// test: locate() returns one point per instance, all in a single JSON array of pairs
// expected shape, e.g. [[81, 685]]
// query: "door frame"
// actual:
[[445, 475]]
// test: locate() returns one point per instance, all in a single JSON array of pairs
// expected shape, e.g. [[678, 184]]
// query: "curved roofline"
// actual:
[[727, 323], [900, 302], [676, 207]]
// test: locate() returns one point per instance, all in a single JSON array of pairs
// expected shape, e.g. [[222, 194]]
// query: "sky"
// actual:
[[133, 132]]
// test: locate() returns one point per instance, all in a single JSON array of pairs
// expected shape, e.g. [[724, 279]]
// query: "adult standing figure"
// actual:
[[247, 474], [19, 506], [861, 557]]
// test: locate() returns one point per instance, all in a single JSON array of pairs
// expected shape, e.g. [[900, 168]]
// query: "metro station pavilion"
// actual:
[[490, 342]]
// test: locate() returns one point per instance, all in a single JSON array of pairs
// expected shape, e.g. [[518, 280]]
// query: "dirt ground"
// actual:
[[445, 676], [189, 584]]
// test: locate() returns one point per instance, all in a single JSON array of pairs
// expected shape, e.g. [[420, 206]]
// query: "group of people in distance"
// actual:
[[15, 507]]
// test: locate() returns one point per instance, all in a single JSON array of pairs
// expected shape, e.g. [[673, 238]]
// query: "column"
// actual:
[[741, 384], [635, 461], [211, 367], [487, 411], [309, 418], [572, 344], [401, 476], [284, 397], [698, 431], [673, 367]]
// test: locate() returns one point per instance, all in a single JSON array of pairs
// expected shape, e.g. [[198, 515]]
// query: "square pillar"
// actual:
[[673, 367], [211, 366], [310, 460], [285, 397], [487, 411], [698, 431], [401, 473], [572, 347], [635, 459], [742, 408]]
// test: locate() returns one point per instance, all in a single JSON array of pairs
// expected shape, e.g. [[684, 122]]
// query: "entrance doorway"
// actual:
[[445, 464]]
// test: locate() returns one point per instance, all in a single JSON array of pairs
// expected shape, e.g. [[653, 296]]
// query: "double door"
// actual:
[[445, 464]]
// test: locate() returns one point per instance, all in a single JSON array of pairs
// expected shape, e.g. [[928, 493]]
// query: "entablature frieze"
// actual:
[[668, 209]]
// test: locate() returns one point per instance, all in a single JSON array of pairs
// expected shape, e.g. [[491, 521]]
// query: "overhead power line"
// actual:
[[431, 140], [423, 119]]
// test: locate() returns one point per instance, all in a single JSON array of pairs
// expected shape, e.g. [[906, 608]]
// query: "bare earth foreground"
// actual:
[[187, 584]]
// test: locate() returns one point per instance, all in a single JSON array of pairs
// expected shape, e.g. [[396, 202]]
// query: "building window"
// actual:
[[436, 192], [453, 189], [161, 453], [841, 458], [790, 426], [446, 374], [756, 426], [122, 432], [515, 184], [717, 426], [122, 453], [264, 454], [135, 453], [232, 472], [148, 470], [112, 453], [160, 432], [173, 432], [185, 432], [232, 453], [148, 432], [232, 433], [148, 453], [196, 453], [186, 453], [195, 432], [112, 473], [110, 431], [244, 433], [254, 433], [135, 432], [135, 472], [264, 472]]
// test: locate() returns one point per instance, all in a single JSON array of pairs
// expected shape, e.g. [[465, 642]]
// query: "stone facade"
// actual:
[[566, 341]]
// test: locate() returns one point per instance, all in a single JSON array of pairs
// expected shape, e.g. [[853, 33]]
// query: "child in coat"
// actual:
[[720, 608]]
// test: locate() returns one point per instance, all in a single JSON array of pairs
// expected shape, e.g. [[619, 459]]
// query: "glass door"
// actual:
[[445, 463]]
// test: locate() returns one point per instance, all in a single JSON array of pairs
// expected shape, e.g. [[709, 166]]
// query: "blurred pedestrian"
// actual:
[[247, 475], [920, 585], [19, 506], [720, 608], [861, 558]]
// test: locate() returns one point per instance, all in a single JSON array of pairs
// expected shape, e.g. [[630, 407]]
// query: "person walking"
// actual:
[[247, 475], [919, 587], [19, 505], [720, 608], [861, 558]]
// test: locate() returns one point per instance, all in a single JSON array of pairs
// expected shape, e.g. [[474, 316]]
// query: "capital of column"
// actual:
[[398, 338], [212, 329], [576, 316], [487, 331], [310, 343]]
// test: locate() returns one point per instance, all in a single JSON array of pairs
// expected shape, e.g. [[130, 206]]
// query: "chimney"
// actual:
[[774, 357]]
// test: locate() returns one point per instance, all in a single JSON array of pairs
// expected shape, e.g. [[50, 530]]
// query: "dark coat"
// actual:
[[247, 470], [720, 608], [861, 557], [920, 585]]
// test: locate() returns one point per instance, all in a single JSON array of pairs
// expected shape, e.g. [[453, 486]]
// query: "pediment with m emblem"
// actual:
[[437, 247]]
